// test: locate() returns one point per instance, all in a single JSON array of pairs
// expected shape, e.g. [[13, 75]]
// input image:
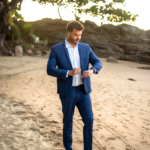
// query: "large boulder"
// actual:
[[29, 52], [18, 50], [106, 50], [112, 59]]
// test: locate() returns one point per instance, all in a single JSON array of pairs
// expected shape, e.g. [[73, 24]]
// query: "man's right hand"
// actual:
[[75, 71]]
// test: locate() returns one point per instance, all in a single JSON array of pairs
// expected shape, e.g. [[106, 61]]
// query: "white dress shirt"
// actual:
[[75, 61]]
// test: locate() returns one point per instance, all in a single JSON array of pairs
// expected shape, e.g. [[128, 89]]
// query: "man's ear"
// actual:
[[68, 33]]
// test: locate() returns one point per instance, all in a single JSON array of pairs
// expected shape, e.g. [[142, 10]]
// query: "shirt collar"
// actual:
[[68, 44]]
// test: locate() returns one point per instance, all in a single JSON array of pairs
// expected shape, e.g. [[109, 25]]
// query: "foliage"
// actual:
[[27, 28], [26, 47], [101, 8], [10, 20], [16, 15], [95, 8], [14, 31]]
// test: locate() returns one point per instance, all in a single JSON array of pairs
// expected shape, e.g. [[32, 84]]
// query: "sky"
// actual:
[[32, 11]]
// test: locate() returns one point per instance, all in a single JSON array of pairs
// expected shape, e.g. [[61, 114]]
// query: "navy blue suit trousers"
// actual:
[[77, 97]]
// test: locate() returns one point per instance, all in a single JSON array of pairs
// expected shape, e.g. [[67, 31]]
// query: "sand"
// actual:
[[31, 112]]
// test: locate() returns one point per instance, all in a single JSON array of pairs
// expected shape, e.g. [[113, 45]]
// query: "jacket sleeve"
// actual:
[[51, 67], [96, 63]]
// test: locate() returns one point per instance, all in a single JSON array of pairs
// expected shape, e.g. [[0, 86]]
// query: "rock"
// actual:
[[32, 46], [90, 24], [38, 52], [45, 43], [32, 37], [133, 49], [41, 42], [129, 58], [29, 52], [147, 33], [144, 67], [130, 30], [45, 52], [112, 59], [18, 50], [131, 79], [19, 42], [11, 53]]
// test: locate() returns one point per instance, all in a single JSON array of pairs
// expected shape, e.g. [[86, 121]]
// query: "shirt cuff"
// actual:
[[67, 74], [94, 70]]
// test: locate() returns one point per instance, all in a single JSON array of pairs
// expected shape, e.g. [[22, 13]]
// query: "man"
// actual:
[[73, 81]]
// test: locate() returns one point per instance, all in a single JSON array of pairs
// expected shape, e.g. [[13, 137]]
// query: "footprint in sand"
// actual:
[[80, 141], [147, 128], [146, 123], [41, 126], [130, 133], [145, 142], [34, 129], [140, 113], [128, 148], [131, 116], [111, 138], [125, 126], [143, 135]]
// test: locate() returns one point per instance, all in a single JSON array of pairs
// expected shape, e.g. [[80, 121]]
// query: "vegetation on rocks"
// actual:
[[13, 33]]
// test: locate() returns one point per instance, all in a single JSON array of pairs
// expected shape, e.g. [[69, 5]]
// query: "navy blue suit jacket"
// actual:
[[59, 56]]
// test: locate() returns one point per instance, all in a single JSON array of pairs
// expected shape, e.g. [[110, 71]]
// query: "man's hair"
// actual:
[[74, 24]]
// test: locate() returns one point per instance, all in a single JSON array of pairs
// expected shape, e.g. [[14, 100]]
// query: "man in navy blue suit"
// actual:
[[72, 59]]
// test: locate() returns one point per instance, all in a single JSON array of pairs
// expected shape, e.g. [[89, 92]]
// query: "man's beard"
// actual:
[[74, 41]]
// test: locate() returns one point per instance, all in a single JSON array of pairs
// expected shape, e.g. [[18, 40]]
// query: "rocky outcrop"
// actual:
[[123, 42]]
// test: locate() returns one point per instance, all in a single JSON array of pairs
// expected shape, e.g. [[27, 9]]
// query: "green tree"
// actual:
[[6, 7], [16, 15], [102, 8], [14, 32]]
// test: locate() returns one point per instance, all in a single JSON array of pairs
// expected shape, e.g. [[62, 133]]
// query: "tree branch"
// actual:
[[13, 4]]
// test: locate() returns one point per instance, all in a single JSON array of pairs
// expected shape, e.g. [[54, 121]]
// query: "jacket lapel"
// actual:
[[81, 57], [80, 54], [67, 53]]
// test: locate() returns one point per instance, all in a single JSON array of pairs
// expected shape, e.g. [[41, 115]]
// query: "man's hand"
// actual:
[[75, 71], [87, 73]]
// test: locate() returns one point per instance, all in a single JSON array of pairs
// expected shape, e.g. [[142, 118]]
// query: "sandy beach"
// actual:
[[31, 113]]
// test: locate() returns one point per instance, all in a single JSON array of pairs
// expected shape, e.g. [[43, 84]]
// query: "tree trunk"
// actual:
[[76, 17], [59, 12], [4, 16]]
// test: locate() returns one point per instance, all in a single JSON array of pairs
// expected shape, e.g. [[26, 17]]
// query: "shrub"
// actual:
[[27, 28], [26, 47], [15, 31]]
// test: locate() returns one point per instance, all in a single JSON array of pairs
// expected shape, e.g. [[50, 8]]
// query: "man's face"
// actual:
[[74, 36]]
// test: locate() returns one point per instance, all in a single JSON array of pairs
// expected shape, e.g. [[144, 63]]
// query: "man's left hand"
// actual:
[[87, 73]]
